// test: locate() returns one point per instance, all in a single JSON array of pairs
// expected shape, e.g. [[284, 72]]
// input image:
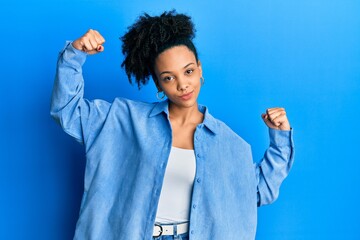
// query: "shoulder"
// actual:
[[132, 105]]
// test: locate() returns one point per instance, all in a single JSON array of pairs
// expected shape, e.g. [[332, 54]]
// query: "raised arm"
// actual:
[[68, 106], [278, 158]]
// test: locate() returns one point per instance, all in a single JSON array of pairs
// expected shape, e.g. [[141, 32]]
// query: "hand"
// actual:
[[276, 118], [91, 42]]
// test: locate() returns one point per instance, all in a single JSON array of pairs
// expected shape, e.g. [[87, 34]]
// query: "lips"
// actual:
[[187, 96]]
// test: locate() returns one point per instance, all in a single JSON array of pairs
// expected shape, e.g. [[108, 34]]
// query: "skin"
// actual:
[[179, 73]]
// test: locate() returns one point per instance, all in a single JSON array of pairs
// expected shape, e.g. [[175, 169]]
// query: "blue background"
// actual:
[[301, 55]]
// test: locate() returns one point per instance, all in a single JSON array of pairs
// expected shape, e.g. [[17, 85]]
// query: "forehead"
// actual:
[[174, 58]]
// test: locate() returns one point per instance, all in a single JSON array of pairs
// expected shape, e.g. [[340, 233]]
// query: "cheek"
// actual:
[[196, 81], [168, 88]]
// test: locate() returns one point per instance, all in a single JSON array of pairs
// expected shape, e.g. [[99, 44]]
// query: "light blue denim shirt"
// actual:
[[127, 146]]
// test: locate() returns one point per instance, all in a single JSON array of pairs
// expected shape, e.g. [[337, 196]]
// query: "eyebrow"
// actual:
[[170, 72]]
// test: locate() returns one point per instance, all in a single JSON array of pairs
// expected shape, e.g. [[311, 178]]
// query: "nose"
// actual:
[[182, 84]]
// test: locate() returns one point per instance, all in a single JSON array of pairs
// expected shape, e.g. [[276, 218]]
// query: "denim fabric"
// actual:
[[184, 236], [127, 145]]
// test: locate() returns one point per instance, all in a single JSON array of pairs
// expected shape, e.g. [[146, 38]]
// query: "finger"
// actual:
[[96, 41], [95, 37], [93, 43], [274, 122], [276, 114], [283, 122], [266, 118], [85, 42], [272, 110], [97, 49], [90, 42], [268, 122], [278, 118], [100, 48], [99, 38]]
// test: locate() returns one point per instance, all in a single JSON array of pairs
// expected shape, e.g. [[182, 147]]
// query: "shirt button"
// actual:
[[192, 232], [198, 180], [198, 155], [197, 137], [194, 206]]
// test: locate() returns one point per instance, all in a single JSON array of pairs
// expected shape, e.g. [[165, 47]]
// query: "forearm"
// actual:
[[275, 165], [68, 89], [69, 83]]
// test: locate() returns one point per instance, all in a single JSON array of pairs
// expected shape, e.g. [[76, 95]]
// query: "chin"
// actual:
[[184, 104]]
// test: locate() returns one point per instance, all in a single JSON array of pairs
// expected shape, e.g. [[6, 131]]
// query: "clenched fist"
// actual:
[[91, 42], [276, 118]]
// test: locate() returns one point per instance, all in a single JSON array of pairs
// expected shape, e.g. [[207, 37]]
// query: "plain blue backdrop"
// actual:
[[301, 55]]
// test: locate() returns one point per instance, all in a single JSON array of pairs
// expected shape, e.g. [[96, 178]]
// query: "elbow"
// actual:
[[55, 113], [267, 196]]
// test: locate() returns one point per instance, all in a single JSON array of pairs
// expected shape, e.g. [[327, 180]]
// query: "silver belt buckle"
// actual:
[[160, 230]]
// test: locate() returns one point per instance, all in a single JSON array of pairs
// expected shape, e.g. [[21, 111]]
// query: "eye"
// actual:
[[189, 71], [168, 78]]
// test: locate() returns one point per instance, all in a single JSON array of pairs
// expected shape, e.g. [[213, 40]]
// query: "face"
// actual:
[[178, 75]]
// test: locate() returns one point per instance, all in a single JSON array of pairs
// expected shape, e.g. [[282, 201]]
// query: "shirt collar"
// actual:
[[209, 120]]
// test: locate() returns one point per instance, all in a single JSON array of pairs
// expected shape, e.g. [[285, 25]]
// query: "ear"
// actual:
[[156, 82], [158, 86]]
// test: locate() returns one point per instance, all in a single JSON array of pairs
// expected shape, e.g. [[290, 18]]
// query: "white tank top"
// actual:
[[175, 196]]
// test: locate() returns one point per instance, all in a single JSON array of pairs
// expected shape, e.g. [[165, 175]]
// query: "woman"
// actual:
[[165, 170]]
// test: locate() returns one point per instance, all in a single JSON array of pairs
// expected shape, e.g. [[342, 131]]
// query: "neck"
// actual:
[[184, 115]]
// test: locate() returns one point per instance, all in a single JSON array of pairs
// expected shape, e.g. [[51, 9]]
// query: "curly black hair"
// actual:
[[148, 37]]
